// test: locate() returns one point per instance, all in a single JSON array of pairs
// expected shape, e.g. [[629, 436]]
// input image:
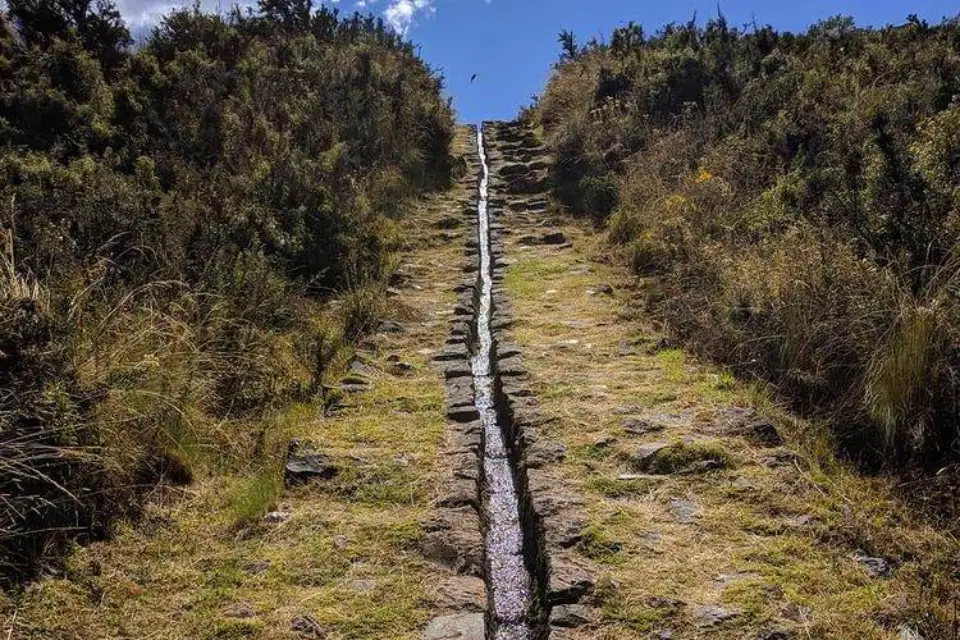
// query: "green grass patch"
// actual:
[[255, 496]]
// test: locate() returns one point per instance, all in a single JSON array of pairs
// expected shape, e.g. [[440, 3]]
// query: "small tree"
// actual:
[[568, 46]]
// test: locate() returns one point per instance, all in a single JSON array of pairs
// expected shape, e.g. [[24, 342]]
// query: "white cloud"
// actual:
[[401, 14]]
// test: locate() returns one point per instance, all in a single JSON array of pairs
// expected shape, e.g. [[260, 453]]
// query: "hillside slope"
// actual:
[[171, 234], [790, 200]]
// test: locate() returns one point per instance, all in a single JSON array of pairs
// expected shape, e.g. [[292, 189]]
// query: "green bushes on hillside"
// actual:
[[795, 200], [171, 221]]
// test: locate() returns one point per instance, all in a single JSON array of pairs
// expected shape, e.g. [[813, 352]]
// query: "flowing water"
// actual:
[[508, 580]]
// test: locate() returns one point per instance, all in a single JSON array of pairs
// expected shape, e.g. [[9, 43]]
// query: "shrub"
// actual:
[[796, 195], [187, 212]]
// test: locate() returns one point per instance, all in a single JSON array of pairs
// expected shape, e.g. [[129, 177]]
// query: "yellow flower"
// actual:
[[703, 176]]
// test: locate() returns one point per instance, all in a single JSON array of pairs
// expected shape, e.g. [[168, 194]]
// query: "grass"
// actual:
[[788, 531], [255, 496]]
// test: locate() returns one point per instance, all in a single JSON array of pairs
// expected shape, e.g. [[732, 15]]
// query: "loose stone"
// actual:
[[467, 626]]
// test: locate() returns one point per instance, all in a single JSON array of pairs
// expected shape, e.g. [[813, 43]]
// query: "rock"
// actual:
[[453, 540], [257, 567], [905, 632], [553, 238], [276, 517], [570, 580], [399, 279], [391, 326], [605, 289], [462, 594], [448, 223], [240, 610], [457, 369], [684, 511], [782, 459], [605, 442], [570, 616], [543, 453], [360, 368], [662, 602], [307, 627], [875, 567], [453, 352], [646, 454], [464, 626], [401, 368], [641, 426], [664, 634], [304, 464], [463, 413], [710, 615], [355, 384], [761, 432]]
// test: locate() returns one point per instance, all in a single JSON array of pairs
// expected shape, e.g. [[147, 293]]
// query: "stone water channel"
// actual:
[[508, 580], [505, 526]]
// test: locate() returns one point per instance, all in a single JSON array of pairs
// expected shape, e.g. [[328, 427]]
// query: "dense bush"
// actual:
[[171, 221], [793, 200]]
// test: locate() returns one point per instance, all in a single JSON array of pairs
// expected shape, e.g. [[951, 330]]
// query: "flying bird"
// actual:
[[472, 78]]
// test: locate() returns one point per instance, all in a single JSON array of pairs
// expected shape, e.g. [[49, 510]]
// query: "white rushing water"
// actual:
[[507, 576]]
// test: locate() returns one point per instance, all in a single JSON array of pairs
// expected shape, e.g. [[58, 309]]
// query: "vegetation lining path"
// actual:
[[337, 559], [707, 519]]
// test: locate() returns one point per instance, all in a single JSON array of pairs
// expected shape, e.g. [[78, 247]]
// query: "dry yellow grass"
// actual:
[[776, 528]]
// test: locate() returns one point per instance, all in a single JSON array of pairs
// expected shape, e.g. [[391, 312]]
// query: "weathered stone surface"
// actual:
[[276, 517], [453, 540], [570, 580], [684, 511], [239, 610], [905, 632], [706, 616], [544, 453], [391, 326], [746, 423], [875, 567], [457, 369], [401, 368], [513, 366], [306, 627], [463, 413], [459, 493], [305, 464], [571, 616], [641, 426], [646, 454], [465, 626], [783, 459], [448, 223], [461, 594], [553, 238], [565, 529], [453, 352]]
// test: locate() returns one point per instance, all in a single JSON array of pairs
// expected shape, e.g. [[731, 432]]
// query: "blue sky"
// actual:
[[511, 44]]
